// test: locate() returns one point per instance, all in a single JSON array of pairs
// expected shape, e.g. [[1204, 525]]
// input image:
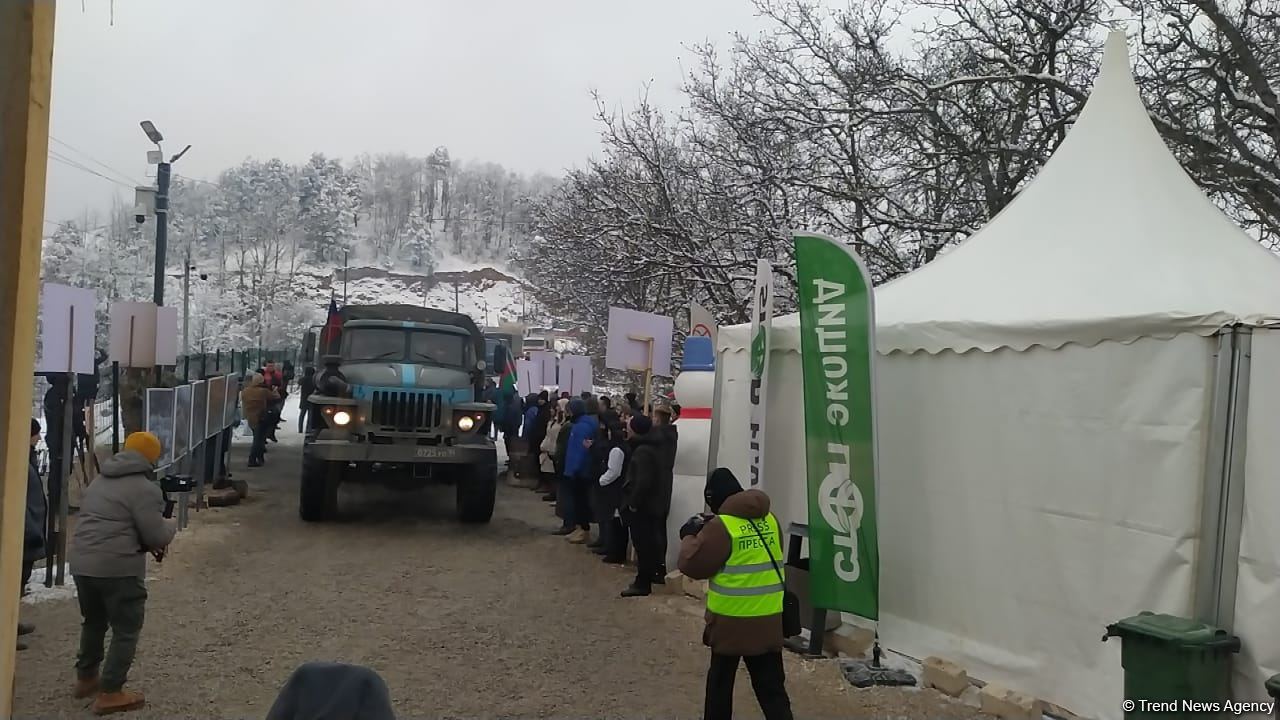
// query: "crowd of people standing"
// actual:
[[607, 467], [262, 402]]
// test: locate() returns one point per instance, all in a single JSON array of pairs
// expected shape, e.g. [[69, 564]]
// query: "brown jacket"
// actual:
[[254, 400], [703, 555]]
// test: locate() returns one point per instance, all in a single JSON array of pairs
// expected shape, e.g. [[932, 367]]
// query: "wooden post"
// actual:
[[26, 66], [59, 550], [647, 368]]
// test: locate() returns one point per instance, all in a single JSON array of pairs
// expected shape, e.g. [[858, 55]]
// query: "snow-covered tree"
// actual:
[[420, 244]]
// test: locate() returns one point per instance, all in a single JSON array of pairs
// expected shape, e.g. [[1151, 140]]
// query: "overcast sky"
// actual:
[[507, 81]]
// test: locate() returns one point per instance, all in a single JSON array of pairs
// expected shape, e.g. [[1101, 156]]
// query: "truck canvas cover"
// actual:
[[416, 314]]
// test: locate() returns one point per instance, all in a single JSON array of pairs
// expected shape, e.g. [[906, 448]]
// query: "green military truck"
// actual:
[[398, 403]]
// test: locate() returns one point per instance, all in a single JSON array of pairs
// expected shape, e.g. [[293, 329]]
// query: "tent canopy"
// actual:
[[1110, 241]]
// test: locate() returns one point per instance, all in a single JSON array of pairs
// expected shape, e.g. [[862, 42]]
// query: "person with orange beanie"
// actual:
[[121, 519]]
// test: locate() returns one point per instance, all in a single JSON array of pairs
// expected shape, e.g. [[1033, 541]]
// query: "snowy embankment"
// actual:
[[488, 292]]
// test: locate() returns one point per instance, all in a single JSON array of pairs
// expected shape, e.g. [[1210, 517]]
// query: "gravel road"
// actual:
[[502, 620]]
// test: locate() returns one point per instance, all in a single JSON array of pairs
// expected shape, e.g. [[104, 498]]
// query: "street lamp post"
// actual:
[[163, 175]]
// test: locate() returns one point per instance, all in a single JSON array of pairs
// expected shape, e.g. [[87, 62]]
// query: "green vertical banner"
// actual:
[[837, 343]]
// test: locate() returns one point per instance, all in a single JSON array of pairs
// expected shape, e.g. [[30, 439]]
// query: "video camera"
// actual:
[[174, 484], [170, 484]]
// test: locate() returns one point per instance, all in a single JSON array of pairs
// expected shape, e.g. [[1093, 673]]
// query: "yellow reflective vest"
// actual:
[[748, 585]]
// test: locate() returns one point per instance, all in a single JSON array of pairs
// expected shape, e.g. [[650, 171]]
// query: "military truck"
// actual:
[[398, 403]]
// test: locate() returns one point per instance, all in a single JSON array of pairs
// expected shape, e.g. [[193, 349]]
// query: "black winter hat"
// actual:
[[641, 425], [721, 484]]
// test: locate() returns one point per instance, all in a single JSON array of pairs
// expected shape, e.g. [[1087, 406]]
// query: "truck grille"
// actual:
[[405, 411]]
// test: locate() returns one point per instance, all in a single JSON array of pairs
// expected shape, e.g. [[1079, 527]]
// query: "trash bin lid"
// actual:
[[1174, 630], [1273, 686]]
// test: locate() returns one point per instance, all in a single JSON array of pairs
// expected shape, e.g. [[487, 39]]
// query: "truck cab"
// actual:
[[400, 405]]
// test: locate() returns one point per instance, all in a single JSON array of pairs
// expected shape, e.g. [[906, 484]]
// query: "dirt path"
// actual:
[[496, 621]]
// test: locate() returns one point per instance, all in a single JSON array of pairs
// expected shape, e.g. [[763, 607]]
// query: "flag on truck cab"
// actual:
[[332, 329]]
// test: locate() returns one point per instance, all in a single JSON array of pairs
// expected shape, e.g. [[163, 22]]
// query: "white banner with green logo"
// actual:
[[837, 343], [761, 325]]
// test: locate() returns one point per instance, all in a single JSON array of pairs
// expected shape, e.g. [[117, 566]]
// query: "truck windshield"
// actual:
[[395, 345]]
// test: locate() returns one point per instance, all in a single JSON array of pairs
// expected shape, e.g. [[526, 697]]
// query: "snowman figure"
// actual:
[[694, 390]]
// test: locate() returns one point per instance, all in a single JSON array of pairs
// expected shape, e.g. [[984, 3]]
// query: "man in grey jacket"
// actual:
[[121, 519]]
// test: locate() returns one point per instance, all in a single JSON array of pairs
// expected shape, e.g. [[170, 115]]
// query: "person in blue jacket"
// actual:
[[577, 470]]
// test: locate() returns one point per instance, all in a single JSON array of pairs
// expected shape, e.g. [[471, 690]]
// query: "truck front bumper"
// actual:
[[342, 450]]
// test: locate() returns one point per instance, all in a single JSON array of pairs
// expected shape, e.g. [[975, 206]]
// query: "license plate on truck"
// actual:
[[436, 453]]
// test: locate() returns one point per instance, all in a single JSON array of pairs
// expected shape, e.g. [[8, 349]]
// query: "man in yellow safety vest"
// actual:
[[739, 550]]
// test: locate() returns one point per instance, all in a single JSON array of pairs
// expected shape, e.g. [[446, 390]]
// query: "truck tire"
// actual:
[[318, 496], [477, 489]]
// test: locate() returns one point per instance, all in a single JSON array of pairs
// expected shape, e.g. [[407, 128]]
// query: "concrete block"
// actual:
[[222, 497], [674, 584], [695, 588], [850, 641], [1010, 705], [944, 675]]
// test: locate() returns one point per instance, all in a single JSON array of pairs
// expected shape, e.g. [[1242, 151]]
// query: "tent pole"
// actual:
[[713, 449], [1222, 502]]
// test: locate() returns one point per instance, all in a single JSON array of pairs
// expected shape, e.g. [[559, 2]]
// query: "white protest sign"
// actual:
[[633, 335], [575, 374], [67, 323], [132, 335], [545, 361], [525, 372], [166, 336]]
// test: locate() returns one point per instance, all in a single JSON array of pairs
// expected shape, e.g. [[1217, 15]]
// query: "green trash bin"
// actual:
[[1169, 659]]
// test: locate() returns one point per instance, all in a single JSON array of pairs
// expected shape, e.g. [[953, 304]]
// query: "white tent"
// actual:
[[1058, 478]]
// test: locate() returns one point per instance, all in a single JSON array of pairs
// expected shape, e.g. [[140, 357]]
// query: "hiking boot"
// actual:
[[121, 701], [563, 531], [86, 686], [634, 590], [25, 628], [578, 536]]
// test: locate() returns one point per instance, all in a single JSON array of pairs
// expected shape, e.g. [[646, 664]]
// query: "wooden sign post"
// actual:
[[647, 368], [56, 555]]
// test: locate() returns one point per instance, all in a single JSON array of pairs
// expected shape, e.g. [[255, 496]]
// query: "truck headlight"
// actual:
[[342, 418], [466, 423]]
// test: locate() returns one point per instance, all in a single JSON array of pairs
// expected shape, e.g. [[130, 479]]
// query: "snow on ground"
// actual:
[[38, 593]]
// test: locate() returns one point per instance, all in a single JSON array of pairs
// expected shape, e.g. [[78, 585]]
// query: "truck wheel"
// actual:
[[477, 488], [318, 496]]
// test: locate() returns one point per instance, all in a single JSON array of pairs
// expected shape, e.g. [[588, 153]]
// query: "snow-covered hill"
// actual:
[[485, 293]]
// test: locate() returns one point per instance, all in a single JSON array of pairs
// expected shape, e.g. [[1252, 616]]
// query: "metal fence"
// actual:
[[196, 366]]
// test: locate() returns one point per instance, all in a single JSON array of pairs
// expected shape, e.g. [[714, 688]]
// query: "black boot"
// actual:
[[634, 590]]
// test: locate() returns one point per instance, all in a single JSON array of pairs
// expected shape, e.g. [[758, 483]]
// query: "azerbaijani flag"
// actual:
[[507, 382], [332, 328]]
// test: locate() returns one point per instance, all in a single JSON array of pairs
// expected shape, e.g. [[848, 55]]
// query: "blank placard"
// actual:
[[166, 336], [625, 352], [64, 348], [132, 338]]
